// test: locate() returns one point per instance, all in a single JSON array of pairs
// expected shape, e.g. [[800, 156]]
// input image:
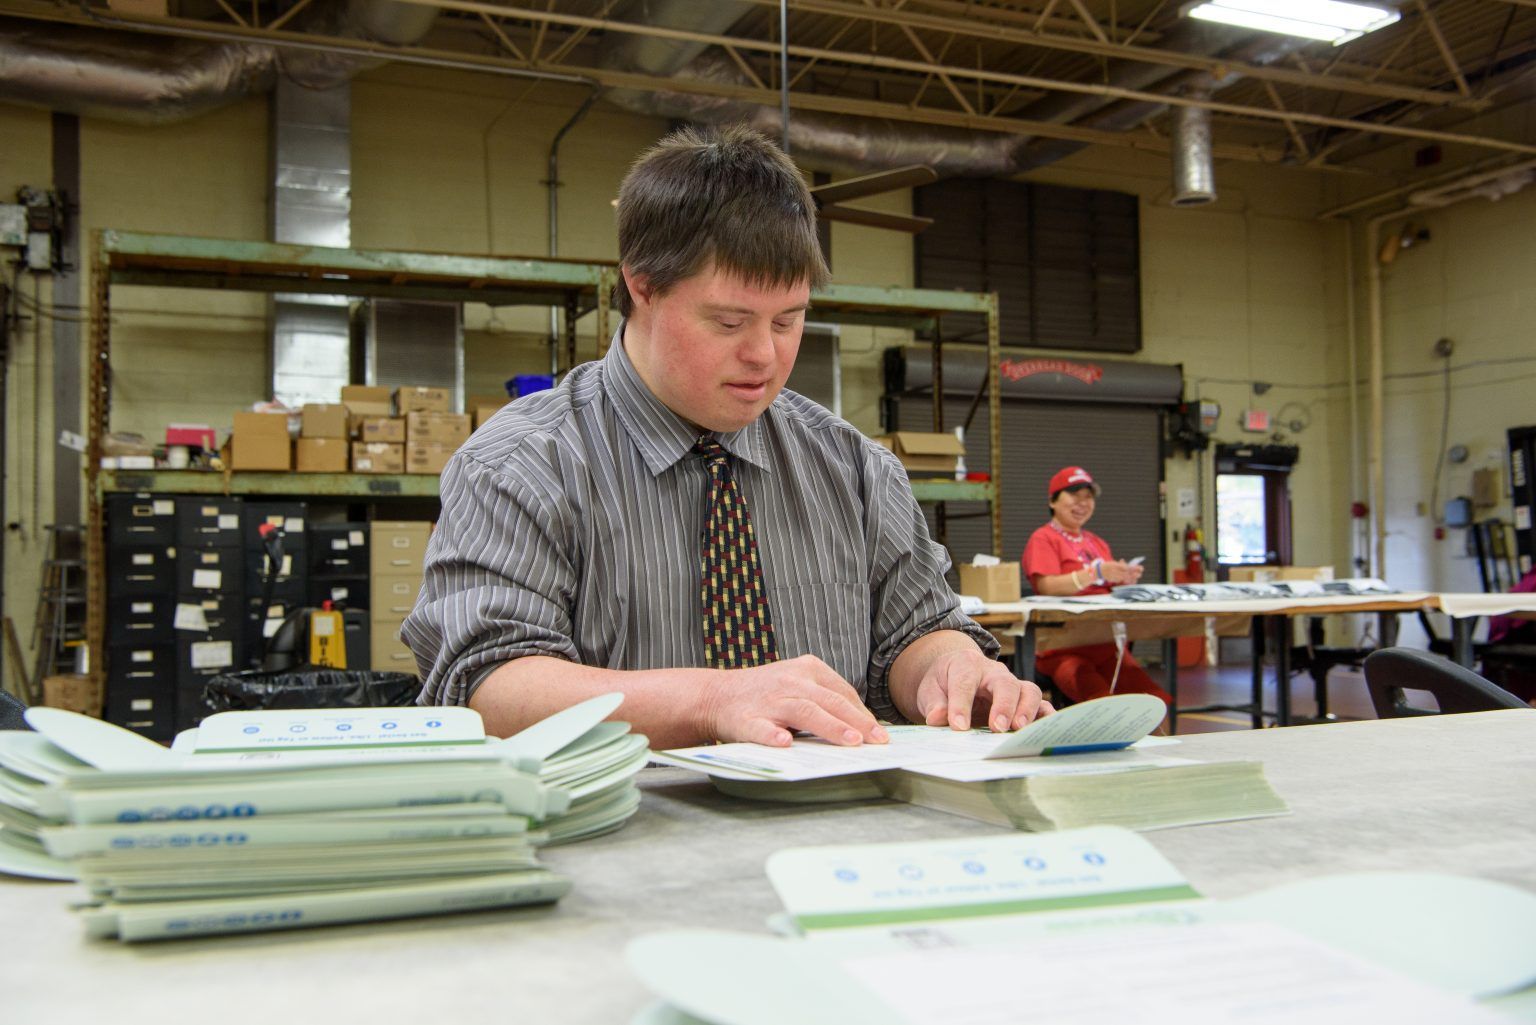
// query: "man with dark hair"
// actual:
[[672, 524]]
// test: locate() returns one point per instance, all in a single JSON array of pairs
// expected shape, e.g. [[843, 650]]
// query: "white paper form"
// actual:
[[1108, 723], [1251, 973]]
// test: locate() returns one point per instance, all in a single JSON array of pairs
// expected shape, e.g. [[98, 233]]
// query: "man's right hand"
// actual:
[[767, 703]]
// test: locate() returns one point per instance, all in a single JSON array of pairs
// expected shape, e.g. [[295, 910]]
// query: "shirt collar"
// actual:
[[661, 435]]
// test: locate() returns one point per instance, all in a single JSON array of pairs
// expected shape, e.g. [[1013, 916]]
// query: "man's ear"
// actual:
[[639, 285]]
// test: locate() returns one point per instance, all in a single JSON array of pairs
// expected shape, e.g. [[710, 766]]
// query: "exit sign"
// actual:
[[1256, 420]]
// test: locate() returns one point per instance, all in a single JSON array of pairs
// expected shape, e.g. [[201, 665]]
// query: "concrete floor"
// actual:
[[1232, 685]]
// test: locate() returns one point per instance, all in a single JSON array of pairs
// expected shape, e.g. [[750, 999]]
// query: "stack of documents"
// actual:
[[1100, 768], [281, 819], [1094, 927]]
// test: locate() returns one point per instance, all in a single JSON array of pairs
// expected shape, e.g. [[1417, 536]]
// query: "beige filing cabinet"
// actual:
[[396, 552]]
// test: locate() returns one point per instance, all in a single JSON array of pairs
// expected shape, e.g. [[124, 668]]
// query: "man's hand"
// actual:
[[962, 686], [767, 703]]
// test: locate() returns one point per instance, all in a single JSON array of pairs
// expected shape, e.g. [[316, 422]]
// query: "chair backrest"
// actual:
[[11, 709], [1390, 671]]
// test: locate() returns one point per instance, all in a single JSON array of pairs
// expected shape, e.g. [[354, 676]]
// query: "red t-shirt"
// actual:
[[1052, 551]]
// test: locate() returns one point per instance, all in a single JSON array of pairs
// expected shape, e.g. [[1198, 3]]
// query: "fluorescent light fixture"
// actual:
[[1332, 21]]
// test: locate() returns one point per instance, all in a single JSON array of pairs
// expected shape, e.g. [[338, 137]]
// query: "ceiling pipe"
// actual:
[[90, 73], [172, 74], [1194, 176]]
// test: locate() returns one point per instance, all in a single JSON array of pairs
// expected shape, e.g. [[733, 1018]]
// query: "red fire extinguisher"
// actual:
[[1194, 553]]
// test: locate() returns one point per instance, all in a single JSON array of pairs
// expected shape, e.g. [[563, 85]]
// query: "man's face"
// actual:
[[714, 350], [1073, 507]]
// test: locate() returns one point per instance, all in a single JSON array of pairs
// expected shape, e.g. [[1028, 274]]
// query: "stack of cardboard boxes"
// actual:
[[323, 435], [378, 439], [431, 431], [371, 430], [397, 549]]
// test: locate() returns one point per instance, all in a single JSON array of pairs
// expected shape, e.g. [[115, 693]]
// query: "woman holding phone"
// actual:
[[1064, 558]]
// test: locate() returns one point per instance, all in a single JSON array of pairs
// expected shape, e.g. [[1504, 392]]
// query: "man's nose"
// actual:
[[756, 347]]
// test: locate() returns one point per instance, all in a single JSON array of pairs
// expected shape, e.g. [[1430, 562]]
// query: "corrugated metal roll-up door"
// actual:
[[1117, 443]]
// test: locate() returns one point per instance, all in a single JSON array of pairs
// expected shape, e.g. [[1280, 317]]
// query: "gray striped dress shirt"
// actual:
[[571, 525]]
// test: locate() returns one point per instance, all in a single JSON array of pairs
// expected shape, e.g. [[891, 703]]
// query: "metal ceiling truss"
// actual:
[[977, 64]]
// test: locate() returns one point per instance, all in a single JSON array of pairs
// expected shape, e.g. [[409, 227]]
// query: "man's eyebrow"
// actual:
[[747, 312]]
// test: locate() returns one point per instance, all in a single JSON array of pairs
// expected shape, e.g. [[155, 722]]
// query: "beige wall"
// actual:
[[1251, 288], [1474, 282], [1245, 289]]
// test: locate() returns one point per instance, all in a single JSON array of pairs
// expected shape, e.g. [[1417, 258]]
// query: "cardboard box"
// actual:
[[323, 421], [423, 428], [1270, 574], [427, 458], [427, 400], [75, 692], [382, 428], [484, 413], [927, 455], [391, 598], [322, 455], [367, 400], [486, 401], [991, 583], [397, 547], [377, 457], [261, 442]]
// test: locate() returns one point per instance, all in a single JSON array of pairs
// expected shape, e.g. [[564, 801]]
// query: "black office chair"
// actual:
[[1390, 671], [11, 709]]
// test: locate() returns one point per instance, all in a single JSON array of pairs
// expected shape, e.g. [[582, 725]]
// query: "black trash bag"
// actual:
[[308, 687]]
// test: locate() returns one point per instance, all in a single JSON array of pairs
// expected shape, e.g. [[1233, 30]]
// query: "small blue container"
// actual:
[[527, 384]]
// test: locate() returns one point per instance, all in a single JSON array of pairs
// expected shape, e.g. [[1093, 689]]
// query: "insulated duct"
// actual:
[[311, 143], [160, 79], [853, 145], [1194, 177], [90, 73]]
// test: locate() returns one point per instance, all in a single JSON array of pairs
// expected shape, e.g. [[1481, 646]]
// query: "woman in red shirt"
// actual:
[[1062, 558]]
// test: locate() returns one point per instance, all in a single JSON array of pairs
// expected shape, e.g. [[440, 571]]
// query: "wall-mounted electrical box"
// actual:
[[13, 224]]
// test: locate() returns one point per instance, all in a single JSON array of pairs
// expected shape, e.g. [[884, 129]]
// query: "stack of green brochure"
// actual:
[[281, 819]]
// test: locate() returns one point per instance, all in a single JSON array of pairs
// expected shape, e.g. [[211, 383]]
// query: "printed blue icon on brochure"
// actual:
[[388, 725], [251, 729], [433, 723], [910, 872], [343, 726], [1093, 858], [974, 868], [1032, 862], [846, 875]]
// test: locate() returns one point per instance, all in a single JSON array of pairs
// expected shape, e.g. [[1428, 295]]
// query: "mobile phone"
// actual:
[[1137, 561]]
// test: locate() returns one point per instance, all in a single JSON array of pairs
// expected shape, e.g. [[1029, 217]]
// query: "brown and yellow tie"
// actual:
[[738, 630]]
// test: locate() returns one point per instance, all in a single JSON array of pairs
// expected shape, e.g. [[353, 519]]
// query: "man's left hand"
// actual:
[[963, 686]]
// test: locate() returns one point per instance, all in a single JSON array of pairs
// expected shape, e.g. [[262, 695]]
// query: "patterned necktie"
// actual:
[[738, 631]]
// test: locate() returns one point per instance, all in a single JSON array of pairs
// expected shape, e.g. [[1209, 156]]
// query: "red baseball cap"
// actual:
[[1070, 477]]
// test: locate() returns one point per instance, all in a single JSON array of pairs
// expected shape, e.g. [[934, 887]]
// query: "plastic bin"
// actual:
[[527, 384]]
